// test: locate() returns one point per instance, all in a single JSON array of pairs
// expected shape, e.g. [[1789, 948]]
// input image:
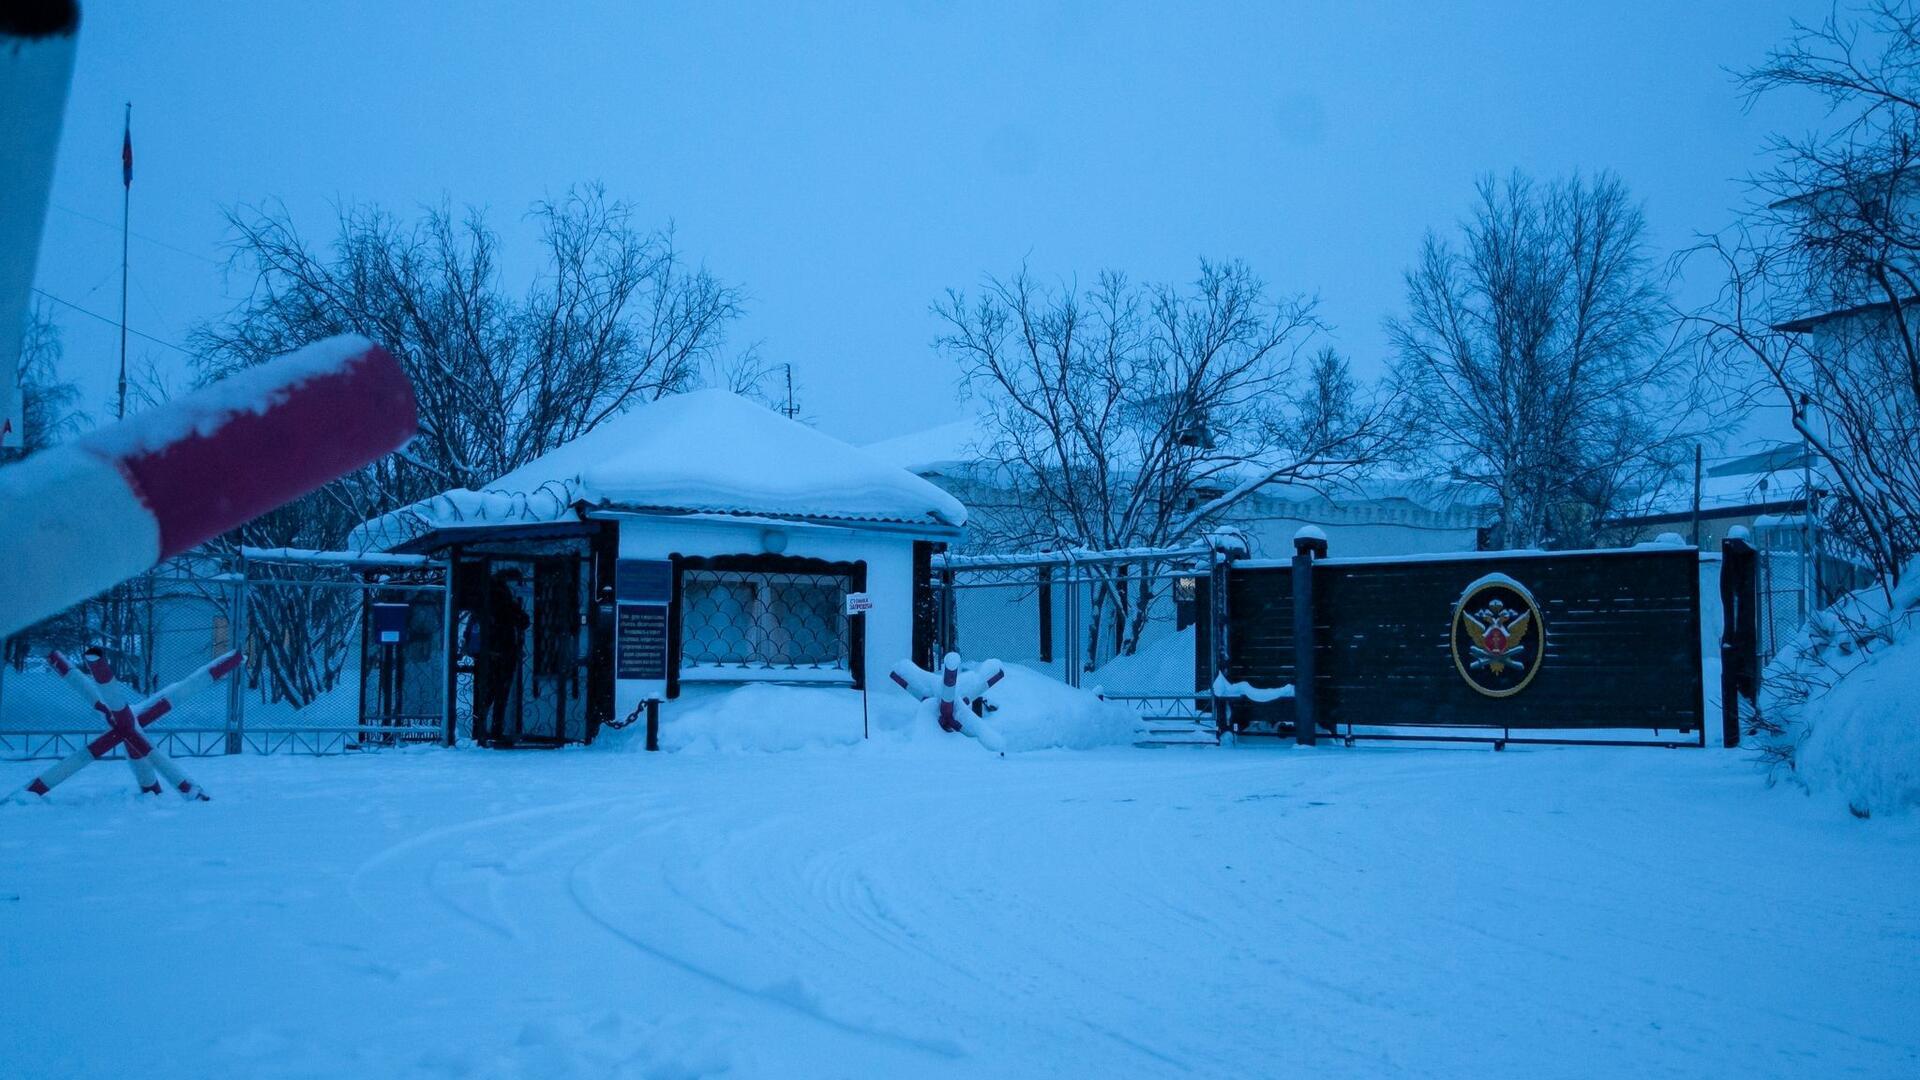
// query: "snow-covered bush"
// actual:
[[1837, 705]]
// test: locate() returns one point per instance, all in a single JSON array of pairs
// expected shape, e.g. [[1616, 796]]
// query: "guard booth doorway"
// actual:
[[535, 663]]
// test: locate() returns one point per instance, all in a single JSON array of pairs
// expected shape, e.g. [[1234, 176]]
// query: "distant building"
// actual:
[[1375, 516], [1775, 492]]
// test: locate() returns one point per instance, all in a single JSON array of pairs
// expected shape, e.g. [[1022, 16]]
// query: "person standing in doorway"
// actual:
[[501, 636]]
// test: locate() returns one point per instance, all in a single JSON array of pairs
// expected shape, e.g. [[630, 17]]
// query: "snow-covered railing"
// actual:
[[308, 557], [1463, 556], [1071, 556]]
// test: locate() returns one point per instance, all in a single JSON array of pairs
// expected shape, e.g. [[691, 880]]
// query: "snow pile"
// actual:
[[1027, 711], [769, 717], [1226, 688], [1030, 711], [1836, 705]]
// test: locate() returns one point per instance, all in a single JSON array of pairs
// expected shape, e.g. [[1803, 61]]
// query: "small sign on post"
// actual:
[[858, 604]]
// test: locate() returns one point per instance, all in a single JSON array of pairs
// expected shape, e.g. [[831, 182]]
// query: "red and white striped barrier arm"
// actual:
[[78, 681], [163, 702], [92, 512]]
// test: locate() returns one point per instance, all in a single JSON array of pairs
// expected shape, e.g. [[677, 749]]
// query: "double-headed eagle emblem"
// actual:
[[1499, 641], [1497, 630]]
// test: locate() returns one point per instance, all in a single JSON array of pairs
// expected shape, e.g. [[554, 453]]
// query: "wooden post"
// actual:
[[1307, 543]]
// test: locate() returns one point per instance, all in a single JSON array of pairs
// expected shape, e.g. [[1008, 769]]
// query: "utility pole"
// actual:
[[791, 411], [1696, 494], [126, 202]]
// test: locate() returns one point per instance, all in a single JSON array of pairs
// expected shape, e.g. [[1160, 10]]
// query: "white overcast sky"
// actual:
[[847, 164]]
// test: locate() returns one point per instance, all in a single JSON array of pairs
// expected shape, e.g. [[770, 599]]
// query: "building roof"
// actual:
[[704, 452], [1769, 478], [956, 449], [1808, 323], [946, 448]]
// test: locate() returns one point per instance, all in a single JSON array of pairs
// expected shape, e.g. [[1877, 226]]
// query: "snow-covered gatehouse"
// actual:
[[700, 539]]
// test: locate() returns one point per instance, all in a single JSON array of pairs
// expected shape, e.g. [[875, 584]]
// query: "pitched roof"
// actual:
[[708, 451]]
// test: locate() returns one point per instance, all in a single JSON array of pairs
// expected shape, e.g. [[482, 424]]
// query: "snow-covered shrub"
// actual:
[[1837, 705]]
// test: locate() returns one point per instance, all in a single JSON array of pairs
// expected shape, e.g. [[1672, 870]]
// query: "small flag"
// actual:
[[126, 155]]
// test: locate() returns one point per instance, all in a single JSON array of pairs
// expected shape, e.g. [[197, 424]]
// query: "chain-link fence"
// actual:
[[1121, 623], [342, 653], [1800, 571]]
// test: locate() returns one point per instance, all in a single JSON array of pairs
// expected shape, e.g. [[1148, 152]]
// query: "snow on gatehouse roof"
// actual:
[[703, 452]]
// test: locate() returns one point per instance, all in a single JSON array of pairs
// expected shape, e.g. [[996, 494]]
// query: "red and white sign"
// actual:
[[859, 603]]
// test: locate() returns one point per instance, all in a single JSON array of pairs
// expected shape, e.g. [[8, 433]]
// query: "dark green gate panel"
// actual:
[[1622, 633]]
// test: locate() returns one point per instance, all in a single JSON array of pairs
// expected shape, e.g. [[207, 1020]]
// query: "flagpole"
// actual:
[[126, 201]]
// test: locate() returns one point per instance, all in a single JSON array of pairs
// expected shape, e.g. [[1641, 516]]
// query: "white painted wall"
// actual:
[[888, 555]]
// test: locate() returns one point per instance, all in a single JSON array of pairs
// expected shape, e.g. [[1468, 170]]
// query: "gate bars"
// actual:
[[302, 610], [1126, 622]]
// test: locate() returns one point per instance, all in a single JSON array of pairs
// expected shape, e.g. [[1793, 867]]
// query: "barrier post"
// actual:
[[1307, 543]]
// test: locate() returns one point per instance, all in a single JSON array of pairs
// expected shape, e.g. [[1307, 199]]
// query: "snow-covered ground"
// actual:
[[922, 908]]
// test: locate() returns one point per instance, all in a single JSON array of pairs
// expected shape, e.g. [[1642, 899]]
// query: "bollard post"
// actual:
[[653, 724], [1307, 543]]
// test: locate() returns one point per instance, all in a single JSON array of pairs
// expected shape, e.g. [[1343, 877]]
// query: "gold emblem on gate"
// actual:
[[1499, 640]]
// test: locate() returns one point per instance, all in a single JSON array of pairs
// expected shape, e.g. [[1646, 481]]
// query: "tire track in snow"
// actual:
[[431, 882], [583, 886]]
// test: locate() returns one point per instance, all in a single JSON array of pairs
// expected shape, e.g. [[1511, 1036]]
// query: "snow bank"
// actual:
[[1033, 712], [769, 717], [1836, 705], [1027, 710]]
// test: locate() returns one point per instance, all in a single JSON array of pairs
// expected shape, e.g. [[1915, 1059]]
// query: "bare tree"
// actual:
[[1536, 357], [613, 319], [49, 404], [1821, 278], [1138, 416], [49, 411]]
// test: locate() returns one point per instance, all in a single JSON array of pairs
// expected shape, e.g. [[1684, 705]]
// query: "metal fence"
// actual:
[[1122, 623], [320, 676], [1800, 571]]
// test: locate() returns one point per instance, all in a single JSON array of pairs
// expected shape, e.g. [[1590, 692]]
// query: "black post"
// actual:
[[653, 724], [1045, 596], [1307, 543], [1217, 634], [1739, 632], [1222, 548]]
